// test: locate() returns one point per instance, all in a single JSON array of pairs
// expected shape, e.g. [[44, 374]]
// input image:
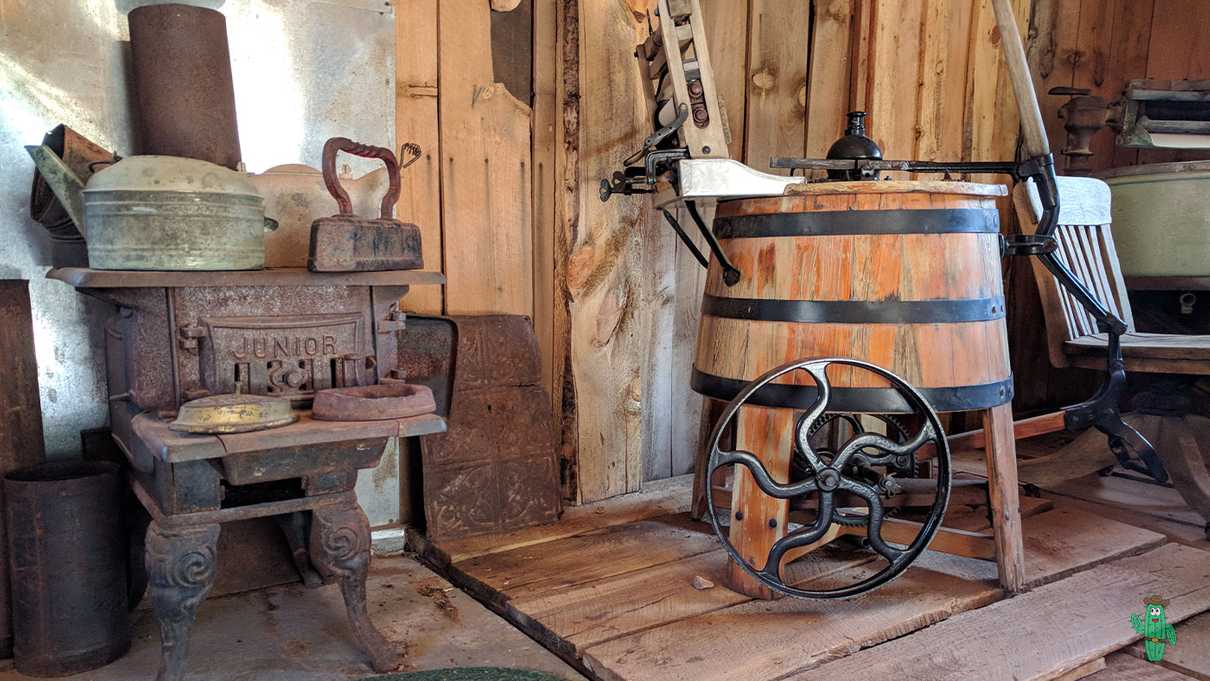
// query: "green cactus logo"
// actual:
[[1153, 626]]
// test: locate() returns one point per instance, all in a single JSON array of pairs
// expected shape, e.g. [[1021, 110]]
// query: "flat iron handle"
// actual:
[[332, 181]]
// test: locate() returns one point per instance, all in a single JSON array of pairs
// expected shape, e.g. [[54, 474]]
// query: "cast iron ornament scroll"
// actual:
[[852, 468], [181, 571], [340, 550]]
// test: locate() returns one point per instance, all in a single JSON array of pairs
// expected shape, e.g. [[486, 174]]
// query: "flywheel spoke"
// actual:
[[761, 476]]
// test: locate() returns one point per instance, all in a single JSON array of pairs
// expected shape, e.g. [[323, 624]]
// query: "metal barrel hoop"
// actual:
[[829, 477]]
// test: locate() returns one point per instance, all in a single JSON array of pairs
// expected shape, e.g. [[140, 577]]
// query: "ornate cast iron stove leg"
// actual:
[[340, 548], [180, 568]]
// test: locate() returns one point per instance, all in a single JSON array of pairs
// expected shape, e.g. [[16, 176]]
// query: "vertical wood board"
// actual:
[[778, 36], [416, 94], [605, 278], [485, 173]]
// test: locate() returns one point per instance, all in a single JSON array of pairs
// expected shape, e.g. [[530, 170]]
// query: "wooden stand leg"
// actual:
[[711, 411], [758, 520], [181, 570], [1002, 496], [340, 548]]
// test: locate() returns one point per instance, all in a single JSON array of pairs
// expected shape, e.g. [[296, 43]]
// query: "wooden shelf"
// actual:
[[81, 277]]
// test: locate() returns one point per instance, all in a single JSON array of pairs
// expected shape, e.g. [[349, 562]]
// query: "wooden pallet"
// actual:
[[619, 601]]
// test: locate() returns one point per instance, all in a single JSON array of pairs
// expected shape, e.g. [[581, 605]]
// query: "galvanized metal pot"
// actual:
[[162, 213], [67, 558]]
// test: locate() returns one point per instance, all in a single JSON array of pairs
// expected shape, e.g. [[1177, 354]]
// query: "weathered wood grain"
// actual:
[[895, 76], [553, 566], [751, 641], [485, 173], [1002, 496], [778, 45], [603, 247], [599, 611], [1062, 541], [1124, 667], [829, 73], [663, 497], [1083, 671], [543, 160], [943, 80], [727, 31], [988, 643], [416, 94], [757, 519]]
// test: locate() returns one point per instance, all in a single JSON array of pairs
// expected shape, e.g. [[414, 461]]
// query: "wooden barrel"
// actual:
[[905, 275]]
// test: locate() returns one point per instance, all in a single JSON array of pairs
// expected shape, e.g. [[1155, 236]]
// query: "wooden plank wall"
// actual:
[[506, 191]]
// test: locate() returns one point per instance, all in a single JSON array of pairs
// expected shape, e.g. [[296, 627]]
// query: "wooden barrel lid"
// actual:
[[899, 187]]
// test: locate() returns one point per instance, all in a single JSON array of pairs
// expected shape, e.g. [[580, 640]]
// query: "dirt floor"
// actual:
[[297, 634]]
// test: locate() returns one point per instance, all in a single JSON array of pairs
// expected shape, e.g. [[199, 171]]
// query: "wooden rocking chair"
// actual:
[[1086, 246]]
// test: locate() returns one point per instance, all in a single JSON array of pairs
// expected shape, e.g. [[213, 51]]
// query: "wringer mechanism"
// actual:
[[857, 481]]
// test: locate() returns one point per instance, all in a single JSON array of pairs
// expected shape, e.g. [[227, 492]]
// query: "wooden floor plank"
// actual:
[[1062, 541], [1062, 625], [656, 498], [1083, 671], [1191, 654], [1123, 667], [607, 609], [1180, 533], [1133, 495], [615, 550], [767, 639]]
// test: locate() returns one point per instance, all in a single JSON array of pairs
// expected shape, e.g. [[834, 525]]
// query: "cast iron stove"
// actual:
[[178, 336]]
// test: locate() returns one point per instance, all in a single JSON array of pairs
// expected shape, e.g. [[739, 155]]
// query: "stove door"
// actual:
[[278, 341], [283, 356]]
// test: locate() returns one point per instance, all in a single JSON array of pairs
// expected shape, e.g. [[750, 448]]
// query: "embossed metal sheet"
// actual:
[[496, 467]]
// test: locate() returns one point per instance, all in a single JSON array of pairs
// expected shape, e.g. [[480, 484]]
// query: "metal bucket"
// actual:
[[67, 562]]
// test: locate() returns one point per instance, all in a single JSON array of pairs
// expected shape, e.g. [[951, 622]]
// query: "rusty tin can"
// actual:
[[181, 68], [67, 556]]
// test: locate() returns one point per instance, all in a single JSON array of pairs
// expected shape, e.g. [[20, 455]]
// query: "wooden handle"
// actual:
[[1032, 128]]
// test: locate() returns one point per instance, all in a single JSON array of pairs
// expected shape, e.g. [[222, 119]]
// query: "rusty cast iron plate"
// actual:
[[373, 402]]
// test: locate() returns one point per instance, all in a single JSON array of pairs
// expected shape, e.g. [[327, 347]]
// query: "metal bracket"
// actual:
[[1027, 244]]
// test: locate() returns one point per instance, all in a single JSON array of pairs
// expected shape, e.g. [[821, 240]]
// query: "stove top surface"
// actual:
[[81, 277]]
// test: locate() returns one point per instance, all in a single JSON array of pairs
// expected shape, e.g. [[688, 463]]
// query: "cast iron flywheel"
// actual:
[[867, 468]]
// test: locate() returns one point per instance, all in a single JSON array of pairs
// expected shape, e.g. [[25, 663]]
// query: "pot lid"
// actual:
[[170, 174], [234, 413]]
